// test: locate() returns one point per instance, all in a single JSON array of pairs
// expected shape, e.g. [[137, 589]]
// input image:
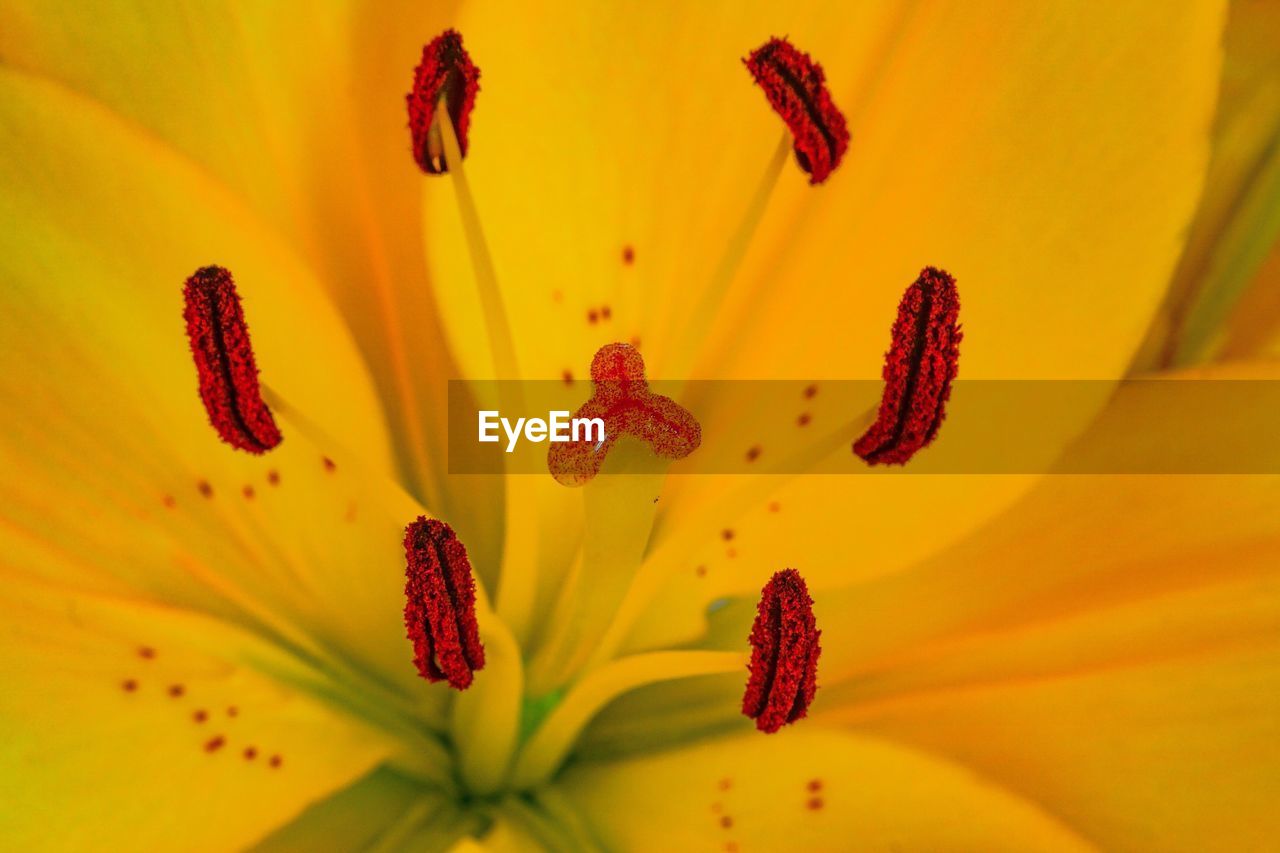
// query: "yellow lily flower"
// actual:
[[204, 649]]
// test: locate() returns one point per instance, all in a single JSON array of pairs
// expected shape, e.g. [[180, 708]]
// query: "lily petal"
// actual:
[[1238, 219], [131, 726], [118, 483], [1069, 166], [800, 789]]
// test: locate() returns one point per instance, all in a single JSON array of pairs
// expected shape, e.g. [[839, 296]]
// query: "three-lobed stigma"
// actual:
[[623, 400]]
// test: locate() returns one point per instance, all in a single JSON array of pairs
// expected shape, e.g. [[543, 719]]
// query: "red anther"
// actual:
[[918, 370], [784, 654], [797, 91], [224, 360], [440, 604], [445, 70], [622, 400]]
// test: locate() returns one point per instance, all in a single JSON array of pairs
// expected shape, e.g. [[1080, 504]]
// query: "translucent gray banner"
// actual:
[[1143, 426]]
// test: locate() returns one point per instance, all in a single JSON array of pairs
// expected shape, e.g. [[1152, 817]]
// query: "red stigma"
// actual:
[[228, 374], [784, 654], [622, 400], [445, 70], [797, 91], [918, 370], [440, 604]]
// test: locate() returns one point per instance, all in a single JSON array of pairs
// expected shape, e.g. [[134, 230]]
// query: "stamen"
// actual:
[[918, 370], [784, 654], [440, 606], [219, 339], [445, 76], [622, 400], [797, 91]]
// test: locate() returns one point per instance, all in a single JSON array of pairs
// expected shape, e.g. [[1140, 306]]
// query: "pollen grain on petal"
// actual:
[[227, 370], [784, 654], [796, 88], [918, 371], [623, 401], [445, 71], [440, 604]]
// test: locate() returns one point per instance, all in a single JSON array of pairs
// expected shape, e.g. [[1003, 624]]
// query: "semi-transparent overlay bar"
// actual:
[[1139, 426]]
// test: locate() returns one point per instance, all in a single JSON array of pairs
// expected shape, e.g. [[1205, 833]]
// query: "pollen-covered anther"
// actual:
[[624, 402], [445, 72], [797, 91], [228, 373], [440, 604], [918, 370], [784, 654]]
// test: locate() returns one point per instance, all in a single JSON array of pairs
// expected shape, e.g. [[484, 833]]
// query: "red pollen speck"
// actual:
[[810, 392], [606, 312], [814, 785], [329, 465], [176, 690], [273, 477], [726, 534], [146, 652], [623, 401], [445, 70], [726, 821], [440, 604], [804, 419], [753, 453], [628, 255], [250, 753], [170, 502], [215, 743], [814, 804], [248, 493], [725, 784], [784, 654], [275, 761], [200, 716], [918, 370], [204, 488], [774, 506], [797, 91], [233, 711], [701, 571], [567, 376], [228, 373], [129, 685], [593, 317]]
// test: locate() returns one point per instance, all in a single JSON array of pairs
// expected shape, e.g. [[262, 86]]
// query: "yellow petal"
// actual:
[[297, 110], [1117, 721], [1049, 160], [139, 727], [106, 225], [1238, 219], [119, 483], [1103, 649], [809, 789]]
